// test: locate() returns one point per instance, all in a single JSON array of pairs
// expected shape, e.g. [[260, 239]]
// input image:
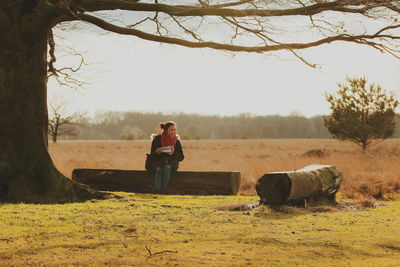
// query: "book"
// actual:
[[166, 149]]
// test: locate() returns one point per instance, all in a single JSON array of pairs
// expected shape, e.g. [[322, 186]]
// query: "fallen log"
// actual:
[[181, 183], [317, 183]]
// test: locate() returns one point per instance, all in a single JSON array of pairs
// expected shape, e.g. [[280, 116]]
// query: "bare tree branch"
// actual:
[[265, 37], [238, 3], [53, 59], [361, 39], [249, 25], [187, 10], [63, 75], [186, 30]]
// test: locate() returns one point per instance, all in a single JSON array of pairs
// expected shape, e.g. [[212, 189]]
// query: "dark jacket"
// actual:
[[165, 158]]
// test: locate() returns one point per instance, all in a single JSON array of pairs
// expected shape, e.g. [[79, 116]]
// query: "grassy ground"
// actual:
[[144, 230]]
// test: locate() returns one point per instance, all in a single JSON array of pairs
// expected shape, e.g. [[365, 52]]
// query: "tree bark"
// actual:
[[54, 138], [181, 183], [27, 173], [315, 183]]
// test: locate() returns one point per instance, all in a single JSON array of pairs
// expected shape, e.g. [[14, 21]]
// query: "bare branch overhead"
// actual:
[[151, 37], [219, 10], [249, 25]]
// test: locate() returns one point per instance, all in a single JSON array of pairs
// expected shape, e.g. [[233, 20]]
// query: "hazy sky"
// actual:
[[127, 73]]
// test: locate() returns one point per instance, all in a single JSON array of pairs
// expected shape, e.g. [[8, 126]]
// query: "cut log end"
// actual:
[[273, 189]]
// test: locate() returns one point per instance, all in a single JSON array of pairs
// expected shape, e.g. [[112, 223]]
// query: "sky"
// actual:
[[128, 74]]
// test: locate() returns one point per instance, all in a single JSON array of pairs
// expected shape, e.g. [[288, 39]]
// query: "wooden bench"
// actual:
[[181, 183]]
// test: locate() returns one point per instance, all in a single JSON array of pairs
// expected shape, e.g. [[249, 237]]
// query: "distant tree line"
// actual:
[[139, 125], [111, 125]]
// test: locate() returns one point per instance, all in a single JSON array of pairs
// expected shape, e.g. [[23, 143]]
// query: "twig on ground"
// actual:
[[148, 250], [160, 252], [165, 251]]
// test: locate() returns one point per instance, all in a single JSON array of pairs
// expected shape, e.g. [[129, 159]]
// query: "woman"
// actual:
[[166, 153]]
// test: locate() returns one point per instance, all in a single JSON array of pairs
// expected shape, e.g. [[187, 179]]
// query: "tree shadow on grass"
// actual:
[[392, 246], [278, 212], [282, 212], [82, 246], [313, 249]]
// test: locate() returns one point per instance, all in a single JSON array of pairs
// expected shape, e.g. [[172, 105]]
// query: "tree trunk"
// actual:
[[315, 183], [27, 173], [364, 144], [182, 182], [54, 137]]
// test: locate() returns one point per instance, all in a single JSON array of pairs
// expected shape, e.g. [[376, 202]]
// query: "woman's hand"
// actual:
[[158, 151], [172, 150]]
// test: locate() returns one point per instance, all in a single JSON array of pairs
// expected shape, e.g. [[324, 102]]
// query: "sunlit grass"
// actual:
[[145, 230]]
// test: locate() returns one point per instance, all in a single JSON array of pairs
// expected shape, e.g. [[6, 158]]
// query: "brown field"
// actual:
[[372, 173]]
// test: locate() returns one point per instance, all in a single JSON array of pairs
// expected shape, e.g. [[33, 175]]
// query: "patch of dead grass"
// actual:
[[375, 173]]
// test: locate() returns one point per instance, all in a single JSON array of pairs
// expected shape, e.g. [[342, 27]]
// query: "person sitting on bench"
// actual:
[[166, 153]]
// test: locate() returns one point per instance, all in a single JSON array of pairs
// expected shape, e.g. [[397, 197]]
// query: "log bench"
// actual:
[[314, 183], [181, 182]]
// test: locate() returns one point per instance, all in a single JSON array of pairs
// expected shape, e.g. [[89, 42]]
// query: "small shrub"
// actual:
[[316, 153]]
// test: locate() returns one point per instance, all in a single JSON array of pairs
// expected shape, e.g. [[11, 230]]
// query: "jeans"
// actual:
[[161, 179]]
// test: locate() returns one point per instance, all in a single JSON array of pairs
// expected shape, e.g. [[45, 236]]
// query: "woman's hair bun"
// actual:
[[165, 125]]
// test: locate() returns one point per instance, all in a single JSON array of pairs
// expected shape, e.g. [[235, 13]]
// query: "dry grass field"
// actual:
[[372, 173], [183, 230]]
